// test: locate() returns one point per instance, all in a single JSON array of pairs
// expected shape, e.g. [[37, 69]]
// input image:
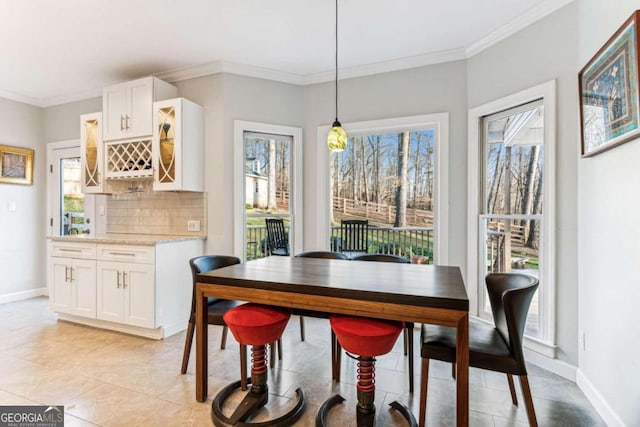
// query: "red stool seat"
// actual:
[[256, 324], [364, 336]]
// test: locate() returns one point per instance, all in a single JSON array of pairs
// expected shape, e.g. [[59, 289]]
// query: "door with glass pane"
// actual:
[[512, 208], [267, 189], [69, 211]]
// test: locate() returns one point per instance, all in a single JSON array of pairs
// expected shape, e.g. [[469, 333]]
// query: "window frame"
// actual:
[[546, 345], [437, 121]]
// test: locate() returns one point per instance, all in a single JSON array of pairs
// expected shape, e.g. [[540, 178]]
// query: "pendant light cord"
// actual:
[[336, 60]]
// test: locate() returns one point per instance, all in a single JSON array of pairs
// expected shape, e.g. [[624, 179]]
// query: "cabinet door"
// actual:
[[60, 288], [91, 153], [166, 149], [110, 291], [139, 295], [138, 120], [83, 277], [114, 108]]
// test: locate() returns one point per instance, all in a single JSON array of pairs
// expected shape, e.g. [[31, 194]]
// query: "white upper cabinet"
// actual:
[[178, 146], [127, 107], [91, 153]]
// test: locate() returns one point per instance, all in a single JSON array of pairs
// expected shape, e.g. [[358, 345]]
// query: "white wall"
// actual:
[[228, 97], [609, 247], [432, 89], [22, 248], [542, 52]]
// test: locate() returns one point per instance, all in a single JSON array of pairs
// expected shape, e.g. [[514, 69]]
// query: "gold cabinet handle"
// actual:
[[66, 273], [118, 281], [71, 274], [124, 280], [127, 118], [121, 122]]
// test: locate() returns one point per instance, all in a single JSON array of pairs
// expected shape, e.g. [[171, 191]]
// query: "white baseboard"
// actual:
[[17, 296], [599, 403], [558, 367]]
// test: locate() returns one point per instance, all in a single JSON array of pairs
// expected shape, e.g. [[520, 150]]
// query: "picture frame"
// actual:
[[16, 165], [608, 90]]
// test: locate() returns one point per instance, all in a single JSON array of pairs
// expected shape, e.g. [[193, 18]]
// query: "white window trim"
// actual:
[[546, 91], [239, 221], [440, 123]]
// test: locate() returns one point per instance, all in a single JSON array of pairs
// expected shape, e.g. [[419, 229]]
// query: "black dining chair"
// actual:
[[277, 238], [408, 326], [216, 308], [495, 347], [354, 237]]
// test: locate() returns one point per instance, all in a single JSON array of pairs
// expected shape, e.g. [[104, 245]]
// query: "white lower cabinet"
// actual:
[[142, 290], [72, 280], [126, 293]]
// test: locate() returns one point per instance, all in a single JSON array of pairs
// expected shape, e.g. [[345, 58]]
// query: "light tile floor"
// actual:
[[110, 379]]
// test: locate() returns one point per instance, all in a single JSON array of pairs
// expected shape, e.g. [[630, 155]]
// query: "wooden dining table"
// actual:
[[408, 292]]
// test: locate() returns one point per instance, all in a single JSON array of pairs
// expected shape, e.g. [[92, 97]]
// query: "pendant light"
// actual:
[[337, 138]]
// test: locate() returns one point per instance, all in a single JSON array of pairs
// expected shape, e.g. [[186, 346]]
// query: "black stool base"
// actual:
[[404, 411], [363, 419], [251, 403], [326, 407]]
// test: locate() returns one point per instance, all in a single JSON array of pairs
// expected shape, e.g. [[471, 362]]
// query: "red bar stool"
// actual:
[[255, 325], [366, 338]]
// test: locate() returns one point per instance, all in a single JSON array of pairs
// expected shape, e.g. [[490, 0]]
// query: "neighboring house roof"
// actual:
[[249, 172]]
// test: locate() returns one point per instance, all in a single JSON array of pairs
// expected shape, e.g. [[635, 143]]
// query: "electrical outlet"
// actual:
[[583, 341], [193, 225]]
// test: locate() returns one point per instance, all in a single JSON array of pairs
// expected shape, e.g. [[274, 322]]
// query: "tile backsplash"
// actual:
[[157, 212]]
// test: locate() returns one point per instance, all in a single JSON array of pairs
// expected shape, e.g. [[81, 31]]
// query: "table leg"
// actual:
[[202, 346], [462, 371]]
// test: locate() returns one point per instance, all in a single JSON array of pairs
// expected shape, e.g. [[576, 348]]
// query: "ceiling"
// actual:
[[54, 52]]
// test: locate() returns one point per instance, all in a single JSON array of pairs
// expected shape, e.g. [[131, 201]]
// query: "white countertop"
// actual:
[[124, 239]]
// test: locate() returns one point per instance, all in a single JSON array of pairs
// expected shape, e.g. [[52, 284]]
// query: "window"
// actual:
[[367, 180], [267, 174], [511, 203], [387, 179]]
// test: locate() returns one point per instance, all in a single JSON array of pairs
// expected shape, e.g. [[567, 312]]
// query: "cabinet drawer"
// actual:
[[126, 253], [73, 250]]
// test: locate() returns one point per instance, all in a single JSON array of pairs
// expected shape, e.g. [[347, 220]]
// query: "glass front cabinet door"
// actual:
[[91, 153], [178, 146]]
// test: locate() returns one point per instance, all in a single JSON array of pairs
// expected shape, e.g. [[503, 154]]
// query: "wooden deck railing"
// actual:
[[405, 241]]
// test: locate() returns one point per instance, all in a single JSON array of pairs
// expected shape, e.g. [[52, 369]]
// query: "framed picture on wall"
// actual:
[[16, 165], [608, 85]]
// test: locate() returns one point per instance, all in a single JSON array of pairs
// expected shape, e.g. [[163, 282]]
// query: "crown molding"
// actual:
[[217, 67], [20, 98], [65, 99], [518, 23], [387, 66]]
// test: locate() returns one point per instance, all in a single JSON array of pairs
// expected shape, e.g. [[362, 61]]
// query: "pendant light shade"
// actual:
[[337, 138]]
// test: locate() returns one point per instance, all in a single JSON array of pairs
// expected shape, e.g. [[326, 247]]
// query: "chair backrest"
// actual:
[[510, 297], [205, 263], [322, 254], [276, 236], [382, 258], [353, 235]]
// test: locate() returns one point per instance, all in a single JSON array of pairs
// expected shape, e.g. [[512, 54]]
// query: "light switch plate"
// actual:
[[193, 225]]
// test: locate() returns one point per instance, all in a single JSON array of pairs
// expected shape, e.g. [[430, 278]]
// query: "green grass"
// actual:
[[72, 204]]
